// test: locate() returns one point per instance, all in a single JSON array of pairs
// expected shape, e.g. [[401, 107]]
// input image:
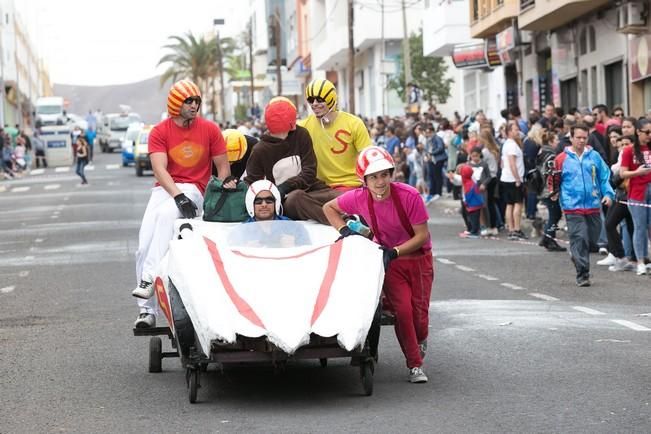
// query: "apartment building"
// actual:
[[476, 84], [572, 53], [23, 74]]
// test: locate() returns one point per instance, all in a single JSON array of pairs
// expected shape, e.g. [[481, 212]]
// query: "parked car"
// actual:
[[129, 141], [141, 151], [112, 129]]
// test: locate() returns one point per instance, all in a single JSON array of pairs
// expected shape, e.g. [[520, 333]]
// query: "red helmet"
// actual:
[[372, 160], [280, 115]]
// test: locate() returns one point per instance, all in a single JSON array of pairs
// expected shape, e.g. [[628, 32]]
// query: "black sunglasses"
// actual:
[[189, 100], [268, 199], [312, 99], [647, 132]]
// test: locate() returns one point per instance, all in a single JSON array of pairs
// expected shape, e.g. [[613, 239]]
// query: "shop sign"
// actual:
[[505, 39], [640, 55], [470, 56], [492, 56]]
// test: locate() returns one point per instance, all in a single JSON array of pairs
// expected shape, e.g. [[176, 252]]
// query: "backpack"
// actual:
[[537, 177]]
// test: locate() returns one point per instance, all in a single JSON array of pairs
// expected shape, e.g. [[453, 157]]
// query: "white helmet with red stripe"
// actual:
[[372, 160], [255, 189]]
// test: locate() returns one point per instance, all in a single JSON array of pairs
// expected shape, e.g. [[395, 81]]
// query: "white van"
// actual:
[[113, 128], [50, 111]]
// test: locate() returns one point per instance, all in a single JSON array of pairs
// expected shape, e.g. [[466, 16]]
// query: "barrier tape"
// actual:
[[643, 205]]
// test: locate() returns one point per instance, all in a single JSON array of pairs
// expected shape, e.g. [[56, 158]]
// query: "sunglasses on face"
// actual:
[[314, 99], [267, 200], [646, 131], [189, 100]]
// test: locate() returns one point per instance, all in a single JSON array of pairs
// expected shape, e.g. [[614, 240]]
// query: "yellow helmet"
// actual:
[[321, 88], [236, 145]]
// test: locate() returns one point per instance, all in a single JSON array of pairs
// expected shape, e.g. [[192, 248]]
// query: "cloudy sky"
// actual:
[[91, 42]]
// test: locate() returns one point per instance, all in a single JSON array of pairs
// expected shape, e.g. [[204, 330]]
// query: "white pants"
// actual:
[[156, 231]]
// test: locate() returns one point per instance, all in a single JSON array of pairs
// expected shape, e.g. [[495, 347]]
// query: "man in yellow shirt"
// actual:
[[337, 138]]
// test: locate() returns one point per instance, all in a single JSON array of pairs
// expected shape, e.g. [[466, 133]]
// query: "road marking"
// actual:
[[37, 172], [464, 268], [631, 325], [62, 169], [52, 186], [7, 289], [512, 286], [89, 167], [2, 188], [23, 273], [54, 217], [20, 189], [112, 183], [66, 198], [543, 296], [588, 310], [39, 240], [445, 261], [112, 166], [28, 258], [486, 277]]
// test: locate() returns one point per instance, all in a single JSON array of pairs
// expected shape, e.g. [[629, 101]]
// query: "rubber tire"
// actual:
[[193, 385], [184, 330], [366, 375], [155, 354], [323, 362], [139, 170]]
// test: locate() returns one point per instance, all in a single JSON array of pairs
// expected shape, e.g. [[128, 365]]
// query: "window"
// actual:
[[584, 88], [614, 81], [569, 93], [593, 86], [583, 42], [592, 38]]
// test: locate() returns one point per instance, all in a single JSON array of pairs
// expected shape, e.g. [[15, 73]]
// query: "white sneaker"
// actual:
[[484, 232], [603, 251], [493, 231], [144, 290], [608, 260], [416, 375], [622, 264], [641, 269], [436, 197], [145, 320]]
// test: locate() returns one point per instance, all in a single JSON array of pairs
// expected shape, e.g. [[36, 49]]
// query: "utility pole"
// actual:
[[351, 58], [251, 62], [382, 50], [405, 51], [279, 78], [220, 66]]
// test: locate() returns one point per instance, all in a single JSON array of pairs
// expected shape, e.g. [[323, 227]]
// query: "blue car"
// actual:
[[128, 143]]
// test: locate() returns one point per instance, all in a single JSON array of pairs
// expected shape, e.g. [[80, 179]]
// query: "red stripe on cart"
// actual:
[[244, 255], [242, 306], [328, 279]]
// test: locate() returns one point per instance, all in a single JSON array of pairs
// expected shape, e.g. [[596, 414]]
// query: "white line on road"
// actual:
[[28, 258], [588, 310], [464, 268], [52, 186], [543, 296], [112, 166], [37, 172], [23, 273], [66, 198], [62, 169], [55, 216], [7, 289], [89, 167], [512, 286], [445, 261], [39, 240], [631, 325], [20, 189], [486, 277]]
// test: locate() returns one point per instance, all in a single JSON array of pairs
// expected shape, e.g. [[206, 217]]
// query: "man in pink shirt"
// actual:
[[398, 218]]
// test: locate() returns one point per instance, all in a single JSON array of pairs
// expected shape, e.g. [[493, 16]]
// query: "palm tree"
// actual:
[[195, 58]]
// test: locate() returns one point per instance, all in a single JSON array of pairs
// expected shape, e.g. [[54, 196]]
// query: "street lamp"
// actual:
[[220, 66]]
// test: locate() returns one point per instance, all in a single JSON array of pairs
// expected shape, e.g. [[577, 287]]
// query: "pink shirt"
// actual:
[[391, 230]]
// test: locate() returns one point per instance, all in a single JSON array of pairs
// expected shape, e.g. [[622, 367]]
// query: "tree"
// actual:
[[196, 59], [427, 72]]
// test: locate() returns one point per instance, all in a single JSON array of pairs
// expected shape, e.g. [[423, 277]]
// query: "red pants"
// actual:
[[407, 287]]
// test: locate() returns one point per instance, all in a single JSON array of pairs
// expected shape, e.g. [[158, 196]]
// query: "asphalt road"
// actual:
[[515, 346]]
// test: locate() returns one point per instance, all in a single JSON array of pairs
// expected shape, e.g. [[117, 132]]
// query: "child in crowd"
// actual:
[[472, 200]]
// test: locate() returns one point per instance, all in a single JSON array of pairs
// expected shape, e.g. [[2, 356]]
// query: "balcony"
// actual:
[[490, 17], [542, 15], [448, 26]]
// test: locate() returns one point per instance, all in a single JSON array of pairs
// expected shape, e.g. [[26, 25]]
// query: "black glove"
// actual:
[[388, 255], [284, 190], [228, 179], [345, 231], [187, 208]]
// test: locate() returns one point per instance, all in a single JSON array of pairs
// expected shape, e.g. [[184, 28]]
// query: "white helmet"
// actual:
[[257, 187]]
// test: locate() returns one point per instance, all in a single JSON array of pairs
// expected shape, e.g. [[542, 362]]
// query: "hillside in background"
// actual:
[[145, 97]]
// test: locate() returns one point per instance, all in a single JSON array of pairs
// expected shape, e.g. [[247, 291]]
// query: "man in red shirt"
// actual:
[[182, 149]]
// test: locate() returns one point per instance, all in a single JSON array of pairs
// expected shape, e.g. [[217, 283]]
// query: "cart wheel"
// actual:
[[366, 373], [323, 362], [193, 384], [155, 354]]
